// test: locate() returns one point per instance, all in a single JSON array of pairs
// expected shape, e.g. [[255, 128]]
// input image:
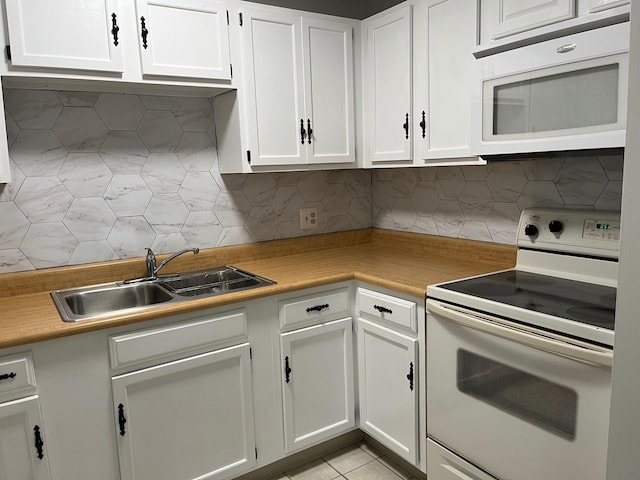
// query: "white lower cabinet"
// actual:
[[187, 419], [200, 396], [317, 383], [388, 374], [23, 453]]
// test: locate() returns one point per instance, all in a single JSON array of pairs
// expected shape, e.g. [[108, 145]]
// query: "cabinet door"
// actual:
[[185, 38], [328, 87], [5, 165], [599, 5], [388, 85], [272, 52], [444, 80], [317, 386], [54, 34], [388, 373], [187, 419], [19, 455], [518, 16]]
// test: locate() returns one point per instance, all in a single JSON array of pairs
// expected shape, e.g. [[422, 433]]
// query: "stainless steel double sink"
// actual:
[[83, 303]]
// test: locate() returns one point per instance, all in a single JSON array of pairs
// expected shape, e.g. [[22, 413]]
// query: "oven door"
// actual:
[[515, 403]]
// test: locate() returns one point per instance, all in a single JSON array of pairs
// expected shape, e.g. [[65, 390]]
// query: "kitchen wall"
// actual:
[[484, 202], [102, 176]]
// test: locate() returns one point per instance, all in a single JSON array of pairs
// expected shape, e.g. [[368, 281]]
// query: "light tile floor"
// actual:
[[356, 462]]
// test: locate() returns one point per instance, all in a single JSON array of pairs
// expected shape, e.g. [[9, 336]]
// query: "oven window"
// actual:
[[575, 99], [533, 399]]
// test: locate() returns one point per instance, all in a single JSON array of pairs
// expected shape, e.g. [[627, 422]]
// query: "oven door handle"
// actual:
[[488, 325]]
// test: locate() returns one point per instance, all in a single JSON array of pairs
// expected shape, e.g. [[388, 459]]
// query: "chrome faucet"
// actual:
[[152, 269]]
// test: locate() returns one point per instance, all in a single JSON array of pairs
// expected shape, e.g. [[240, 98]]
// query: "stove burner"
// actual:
[[581, 302], [492, 290]]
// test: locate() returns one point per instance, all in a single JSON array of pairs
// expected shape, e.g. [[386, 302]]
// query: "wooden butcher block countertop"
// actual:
[[404, 262]]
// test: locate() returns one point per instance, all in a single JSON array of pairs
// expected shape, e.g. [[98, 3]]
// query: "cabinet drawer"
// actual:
[[17, 377], [309, 309], [385, 307], [173, 341]]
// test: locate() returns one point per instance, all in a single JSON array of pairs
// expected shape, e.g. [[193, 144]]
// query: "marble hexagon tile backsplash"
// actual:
[[101, 176], [484, 202]]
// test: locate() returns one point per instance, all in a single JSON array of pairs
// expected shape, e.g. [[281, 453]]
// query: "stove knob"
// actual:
[[531, 230], [555, 226]]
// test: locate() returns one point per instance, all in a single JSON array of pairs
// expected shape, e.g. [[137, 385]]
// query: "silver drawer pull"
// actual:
[[566, 48]]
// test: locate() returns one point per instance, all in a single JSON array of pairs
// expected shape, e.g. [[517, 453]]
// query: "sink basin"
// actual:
[[213, 282], [76, 304], [103, 299]]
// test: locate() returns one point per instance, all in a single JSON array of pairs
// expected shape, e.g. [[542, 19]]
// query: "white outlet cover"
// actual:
[[308, 218]]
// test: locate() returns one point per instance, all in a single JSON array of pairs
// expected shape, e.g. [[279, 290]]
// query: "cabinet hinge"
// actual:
[[256, 453], [7, 49], [240, 18], [227, 17], [249, 157]]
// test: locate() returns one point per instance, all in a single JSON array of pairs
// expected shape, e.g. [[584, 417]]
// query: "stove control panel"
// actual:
[[606, 230], [583, 232]]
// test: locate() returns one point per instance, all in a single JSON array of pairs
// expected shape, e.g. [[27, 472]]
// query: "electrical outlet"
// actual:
[[308, 218]]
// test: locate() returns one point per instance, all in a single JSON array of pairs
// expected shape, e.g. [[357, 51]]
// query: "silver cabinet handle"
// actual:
[[566, 48]]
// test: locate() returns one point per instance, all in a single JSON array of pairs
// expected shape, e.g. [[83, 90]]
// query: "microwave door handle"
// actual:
[[580, 354]]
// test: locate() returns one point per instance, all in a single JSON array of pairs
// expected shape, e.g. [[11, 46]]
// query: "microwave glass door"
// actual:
[[576, 98]]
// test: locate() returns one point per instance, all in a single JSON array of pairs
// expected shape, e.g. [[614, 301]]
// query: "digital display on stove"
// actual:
[[578, 301], [603, 226]]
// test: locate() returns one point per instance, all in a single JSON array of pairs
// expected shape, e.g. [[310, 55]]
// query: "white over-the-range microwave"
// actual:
[[564, 94]]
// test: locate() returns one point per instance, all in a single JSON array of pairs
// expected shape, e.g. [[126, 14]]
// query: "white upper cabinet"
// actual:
[[5, 166], [506, 24], [518, 15], [56, 34], [445, 36], [275, 97], [299, 88], [186, 38], [388, 110], [418, 67], [328, 86], [111, 40]]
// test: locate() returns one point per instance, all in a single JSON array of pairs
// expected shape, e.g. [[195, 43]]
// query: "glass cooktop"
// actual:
[[578, 301]]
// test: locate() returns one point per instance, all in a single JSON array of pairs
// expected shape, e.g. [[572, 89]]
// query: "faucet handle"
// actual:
[[151, 263]]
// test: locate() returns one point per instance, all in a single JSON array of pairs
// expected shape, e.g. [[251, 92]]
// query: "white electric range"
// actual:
[[519, 361]]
